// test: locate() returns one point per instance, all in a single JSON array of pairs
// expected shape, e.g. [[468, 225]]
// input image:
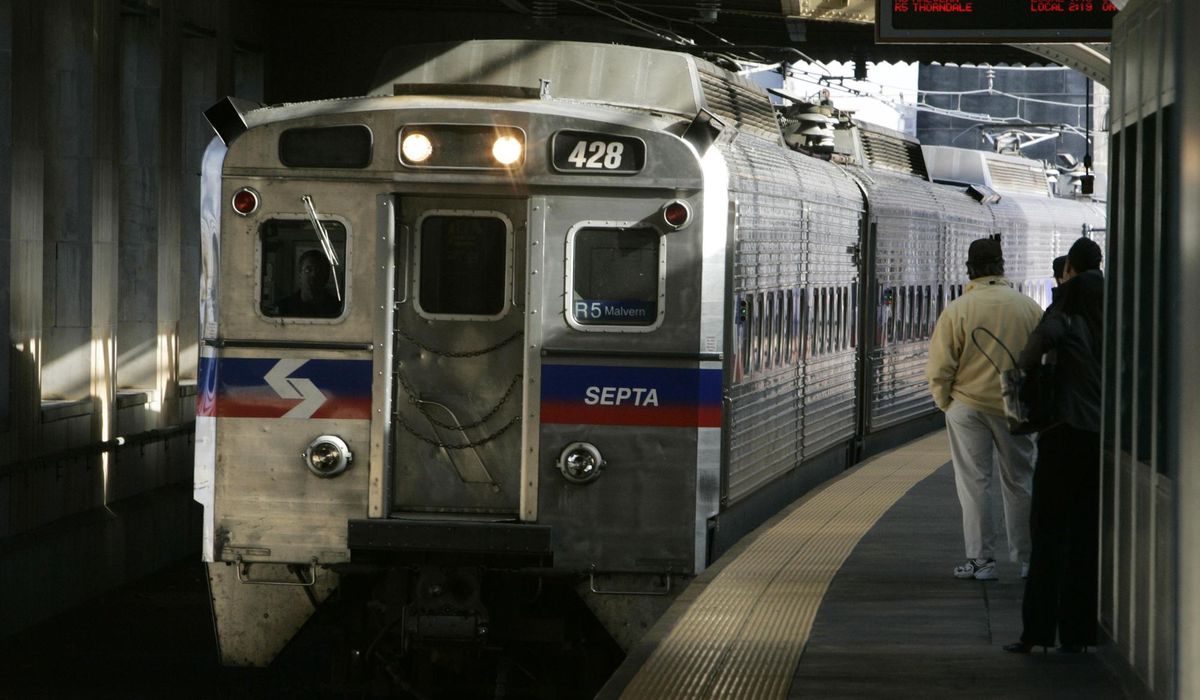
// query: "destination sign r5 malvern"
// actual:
[[983, 21]]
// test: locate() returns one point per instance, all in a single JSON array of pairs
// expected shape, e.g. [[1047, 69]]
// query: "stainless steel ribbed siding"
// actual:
[[920, 266], [921, 234], [831, 332], [765, 430], [796, 217], [1039, 229]]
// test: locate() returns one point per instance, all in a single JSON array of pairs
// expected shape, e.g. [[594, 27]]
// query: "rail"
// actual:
[[82, 452]]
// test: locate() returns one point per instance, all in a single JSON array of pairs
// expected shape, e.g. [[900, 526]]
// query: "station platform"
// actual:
[[849, 593]]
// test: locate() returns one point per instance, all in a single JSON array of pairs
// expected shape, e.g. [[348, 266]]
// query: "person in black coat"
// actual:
[[1060, 592]]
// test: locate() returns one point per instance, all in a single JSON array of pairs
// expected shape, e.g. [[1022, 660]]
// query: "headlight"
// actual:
[[506, 150], [580, 462], [327, 456], [416, 148]]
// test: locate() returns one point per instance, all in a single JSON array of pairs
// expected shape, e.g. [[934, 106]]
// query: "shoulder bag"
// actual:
[[1028, 396]]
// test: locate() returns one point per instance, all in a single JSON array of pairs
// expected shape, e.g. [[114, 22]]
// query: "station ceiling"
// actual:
[[318, 49], [768, 29]]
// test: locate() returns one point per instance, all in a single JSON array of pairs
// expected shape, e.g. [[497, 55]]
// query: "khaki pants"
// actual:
[[974, 436]]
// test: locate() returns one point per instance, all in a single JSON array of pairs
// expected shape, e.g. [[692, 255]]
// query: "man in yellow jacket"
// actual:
[[966, 387]]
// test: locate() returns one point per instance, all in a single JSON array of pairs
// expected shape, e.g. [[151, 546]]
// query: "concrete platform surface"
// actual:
[[895, 623]]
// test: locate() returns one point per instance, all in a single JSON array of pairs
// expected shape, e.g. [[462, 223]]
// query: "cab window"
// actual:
[[297, 280], [463, 264], [615, 277]]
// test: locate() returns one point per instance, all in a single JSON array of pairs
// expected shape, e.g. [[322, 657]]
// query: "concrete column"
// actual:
[[26, 247], [170, 191], [1186, 14], [106, 91], [68, 76], [5, 205], [199, 92], [137, 313]]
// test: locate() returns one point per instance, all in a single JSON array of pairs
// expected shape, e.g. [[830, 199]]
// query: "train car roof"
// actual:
[[622, 76], [258, 115], [1002, 172]]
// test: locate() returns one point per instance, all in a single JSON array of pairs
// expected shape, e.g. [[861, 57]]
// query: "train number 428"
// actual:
[[597, 155], [591, 153]]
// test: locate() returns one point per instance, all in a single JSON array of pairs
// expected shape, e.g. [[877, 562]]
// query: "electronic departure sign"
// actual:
[[982, 21]]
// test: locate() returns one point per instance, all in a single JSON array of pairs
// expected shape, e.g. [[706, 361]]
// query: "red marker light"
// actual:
[[245, 201], [676, 214]]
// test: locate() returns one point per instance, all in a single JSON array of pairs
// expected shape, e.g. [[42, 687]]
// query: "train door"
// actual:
[[457, 368]]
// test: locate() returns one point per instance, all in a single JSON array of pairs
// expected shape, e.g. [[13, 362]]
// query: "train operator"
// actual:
[[312, 297], [965, 386]]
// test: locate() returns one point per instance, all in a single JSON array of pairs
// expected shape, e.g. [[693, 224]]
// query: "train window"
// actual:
[[767, 329], [744, 328], [752, 330], [784, 330], [772, 326], [818, 322], [346, 146], [780, 329], [295, 279], [843, 317], [761, 352], [854, 309], [768, 316], [835, 319], [804, 318], [927, 317], [463, 265], [831, 319], [826, 320], [616, 277], [789, 330], [911, 313], [807, 312]]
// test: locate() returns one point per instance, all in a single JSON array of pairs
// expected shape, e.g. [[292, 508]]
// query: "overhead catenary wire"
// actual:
[[624, 13], [922, 104]]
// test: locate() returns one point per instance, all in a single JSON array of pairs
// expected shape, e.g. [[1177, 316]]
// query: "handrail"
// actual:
[[97, 448]]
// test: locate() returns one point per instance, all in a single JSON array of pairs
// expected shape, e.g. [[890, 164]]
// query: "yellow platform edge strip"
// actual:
[[744, 634]]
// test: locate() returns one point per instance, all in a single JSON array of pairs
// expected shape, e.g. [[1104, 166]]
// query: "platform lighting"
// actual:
[[416, 148], [506, 150]]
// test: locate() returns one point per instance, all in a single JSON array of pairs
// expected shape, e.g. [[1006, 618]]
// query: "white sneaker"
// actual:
[[978, 569], [1024, 569]]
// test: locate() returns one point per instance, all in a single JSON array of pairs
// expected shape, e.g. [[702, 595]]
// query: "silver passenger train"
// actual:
[[584, 315]]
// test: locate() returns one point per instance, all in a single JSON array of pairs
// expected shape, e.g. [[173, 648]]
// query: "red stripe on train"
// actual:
[[274, 407], [665, 416]]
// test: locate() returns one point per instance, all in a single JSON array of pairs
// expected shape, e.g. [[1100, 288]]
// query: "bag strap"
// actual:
[[984, 352]]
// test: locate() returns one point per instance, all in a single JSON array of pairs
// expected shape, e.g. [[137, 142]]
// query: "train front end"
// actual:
[[459, 339]]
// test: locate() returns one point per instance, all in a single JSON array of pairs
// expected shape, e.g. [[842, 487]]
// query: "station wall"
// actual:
[[101, 134]]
